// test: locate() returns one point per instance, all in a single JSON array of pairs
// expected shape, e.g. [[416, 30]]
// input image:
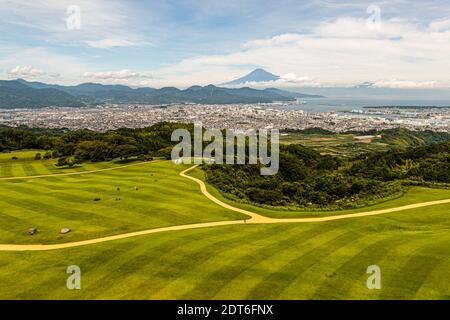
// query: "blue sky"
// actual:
[[180, 43]]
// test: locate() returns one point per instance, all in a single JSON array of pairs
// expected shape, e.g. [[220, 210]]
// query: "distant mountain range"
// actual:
[[366, 84], [15, 94], [26, 94], [290, 94]]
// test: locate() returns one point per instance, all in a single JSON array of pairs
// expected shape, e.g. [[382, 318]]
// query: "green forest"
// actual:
[[73, 147], [306, 179]]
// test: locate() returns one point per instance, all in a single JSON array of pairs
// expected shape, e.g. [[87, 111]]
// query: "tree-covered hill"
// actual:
[[308, 179], [425, 163], [25, 94], [403, 138], [16, 96]]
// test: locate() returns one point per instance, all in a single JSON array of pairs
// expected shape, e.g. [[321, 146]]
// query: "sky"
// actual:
[[315, 43]]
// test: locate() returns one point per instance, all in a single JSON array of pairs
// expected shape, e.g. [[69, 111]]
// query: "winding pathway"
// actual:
[[254, 218]]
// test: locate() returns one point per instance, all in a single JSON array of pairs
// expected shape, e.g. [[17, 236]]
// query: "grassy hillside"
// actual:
[[403, 138], [26, 165], [326, 260], [163, 198], [347, 145], [336, 144]]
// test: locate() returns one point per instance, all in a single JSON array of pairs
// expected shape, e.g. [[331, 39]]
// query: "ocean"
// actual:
[[346, 99]]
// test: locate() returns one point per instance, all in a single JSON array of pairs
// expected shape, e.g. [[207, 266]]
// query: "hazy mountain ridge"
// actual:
[[14, 94], [291, 94], [24, 94]]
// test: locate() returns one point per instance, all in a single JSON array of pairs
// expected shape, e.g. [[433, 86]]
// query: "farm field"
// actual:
[[323, 260], [344, 145]]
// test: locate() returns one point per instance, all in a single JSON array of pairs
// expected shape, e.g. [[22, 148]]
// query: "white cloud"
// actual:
[[25, 72], [286, 80], [407, 84], [347, 27], [103, 23], [109, 43], [50, 65], [121, 76], [281, 39], [440, 25], [292, 77], [342, 52]]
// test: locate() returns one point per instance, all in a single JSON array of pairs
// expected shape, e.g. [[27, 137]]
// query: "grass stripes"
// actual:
[[297, 261], [51, 203], [281, 261]]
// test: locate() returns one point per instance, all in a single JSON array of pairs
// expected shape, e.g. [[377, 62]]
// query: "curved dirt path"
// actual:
[[254, 219], [46, 247], [257, 218]]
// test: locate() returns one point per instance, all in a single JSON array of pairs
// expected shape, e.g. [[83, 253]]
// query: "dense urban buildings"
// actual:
[[233, 116]]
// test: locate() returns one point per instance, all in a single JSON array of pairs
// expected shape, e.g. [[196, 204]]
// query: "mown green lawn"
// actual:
[[278, 261], [162, 198], [26, 165], [286, 261]]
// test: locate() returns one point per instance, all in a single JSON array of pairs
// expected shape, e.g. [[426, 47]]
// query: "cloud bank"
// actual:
[[341, 52], [345, 48]]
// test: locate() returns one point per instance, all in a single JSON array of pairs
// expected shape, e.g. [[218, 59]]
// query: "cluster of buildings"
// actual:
[[231, 116]]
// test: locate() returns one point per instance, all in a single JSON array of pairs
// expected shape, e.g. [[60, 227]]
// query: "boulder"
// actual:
[[64, 230]]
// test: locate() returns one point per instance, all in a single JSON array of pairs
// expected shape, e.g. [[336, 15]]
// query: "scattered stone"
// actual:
[[117, 199], [118, 188], [136, 188], [64, 230], [97, 199], [32, 231]]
